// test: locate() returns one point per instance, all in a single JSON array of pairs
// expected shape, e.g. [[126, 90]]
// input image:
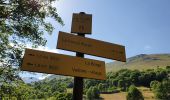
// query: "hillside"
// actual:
[[57, 77], [30, 79], [141, 62]]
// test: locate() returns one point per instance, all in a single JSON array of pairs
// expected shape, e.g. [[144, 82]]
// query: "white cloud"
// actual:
[[43, 76], [46, 49], [147, 47], [42, 48]]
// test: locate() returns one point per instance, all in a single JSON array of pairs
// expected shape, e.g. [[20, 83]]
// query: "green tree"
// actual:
[[96, 92], [134, 94], [100, 87], [89, 94], [154, 85], [122, 85], [22, 22], [60, 96], [134, 77], [93, 93], [69, 96], [162, 91], [64, 96]]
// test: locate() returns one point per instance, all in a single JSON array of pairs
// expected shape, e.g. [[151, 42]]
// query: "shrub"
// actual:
[[134, 94]]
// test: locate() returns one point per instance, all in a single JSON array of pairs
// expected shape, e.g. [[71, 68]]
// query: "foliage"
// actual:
[[161, 89], [22, 23], [122, 80], [57, 88], [53, 89], [93, 93], [100, 87], [18, 90], [134, 94], [154, 84], [64, 96]]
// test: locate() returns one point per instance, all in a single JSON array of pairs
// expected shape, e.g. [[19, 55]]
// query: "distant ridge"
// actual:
[[141, 62], [30, 79], [57, 77]]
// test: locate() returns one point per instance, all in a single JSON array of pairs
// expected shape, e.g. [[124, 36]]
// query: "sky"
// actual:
[[142, 26]]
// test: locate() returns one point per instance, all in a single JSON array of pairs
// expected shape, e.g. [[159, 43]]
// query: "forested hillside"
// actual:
[[61, 89]]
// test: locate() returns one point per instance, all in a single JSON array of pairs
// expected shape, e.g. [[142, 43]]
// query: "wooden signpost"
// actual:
[[38, 61], [89, 46], [79, 67]]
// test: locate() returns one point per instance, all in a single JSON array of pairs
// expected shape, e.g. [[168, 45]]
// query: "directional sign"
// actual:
[[52, 63], [81, 23], [89, 46]]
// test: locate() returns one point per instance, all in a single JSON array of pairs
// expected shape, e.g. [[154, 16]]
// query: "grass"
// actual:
[[147, 93], [114, 96], [69, 90]]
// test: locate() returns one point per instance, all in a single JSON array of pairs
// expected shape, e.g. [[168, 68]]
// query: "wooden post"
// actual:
[[78, 81]]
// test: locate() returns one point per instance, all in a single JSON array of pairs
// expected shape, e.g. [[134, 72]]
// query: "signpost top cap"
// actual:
[[82, 13]]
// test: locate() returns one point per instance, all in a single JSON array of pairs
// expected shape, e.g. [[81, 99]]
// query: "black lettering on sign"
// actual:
[[79, 70], [42, 56], [92, 64], [30, 64], [70, 41], [51, 67], [76, 42], [40, 65], [31, 54], [54, 58], [95, 72], [86, 44]]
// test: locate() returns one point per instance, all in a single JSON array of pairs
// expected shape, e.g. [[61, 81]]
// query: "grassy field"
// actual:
[[115, 96], [148, 95], [69, 90]]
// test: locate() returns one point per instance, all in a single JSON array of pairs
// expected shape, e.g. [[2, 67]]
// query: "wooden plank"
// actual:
[[81, 23], [89, 46], [52, 63]]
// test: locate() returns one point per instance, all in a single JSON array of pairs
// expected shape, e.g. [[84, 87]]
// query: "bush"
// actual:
[[89, 94], [154, 85], [93, 93], [134, 94], [162, 91]]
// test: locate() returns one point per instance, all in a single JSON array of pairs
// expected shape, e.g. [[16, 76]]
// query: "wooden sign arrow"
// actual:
[[89, 46], [52, 63]]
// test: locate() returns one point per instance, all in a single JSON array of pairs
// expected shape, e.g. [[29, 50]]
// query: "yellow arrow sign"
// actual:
[[52, 63], [89, 46]]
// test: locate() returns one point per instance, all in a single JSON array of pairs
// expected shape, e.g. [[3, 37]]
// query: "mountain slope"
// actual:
[[30, 79], [57, 77], [141, 62]]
